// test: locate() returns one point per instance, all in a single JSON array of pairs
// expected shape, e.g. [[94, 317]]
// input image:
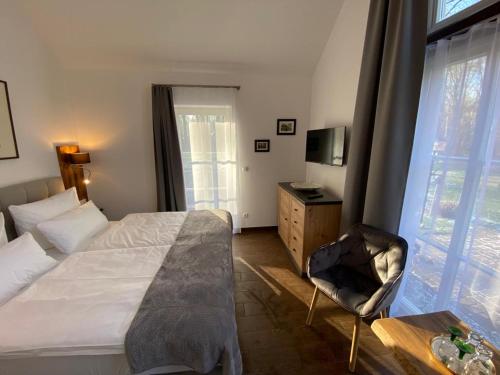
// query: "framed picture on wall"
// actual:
[[286, 126], [262, 145], [8, 144]]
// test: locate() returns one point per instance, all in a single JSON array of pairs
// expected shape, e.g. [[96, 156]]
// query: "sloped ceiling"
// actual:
[[261, 34]]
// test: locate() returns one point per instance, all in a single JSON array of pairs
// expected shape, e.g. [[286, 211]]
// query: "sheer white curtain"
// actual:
[[206, 123], [451, 213]]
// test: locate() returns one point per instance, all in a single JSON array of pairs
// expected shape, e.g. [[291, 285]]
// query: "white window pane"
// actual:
[[204, 206], [207, 137], [483, 237], [199, 139], [451, 214], [476, 298], [447, 8], [226, 141], [226, 179], [426, 270], [203, 182]]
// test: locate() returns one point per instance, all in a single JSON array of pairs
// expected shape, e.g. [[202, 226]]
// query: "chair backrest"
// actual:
[[375, 253]]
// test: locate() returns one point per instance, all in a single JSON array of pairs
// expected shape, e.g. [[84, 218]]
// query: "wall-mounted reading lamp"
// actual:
[[71, 164], [77, 160]]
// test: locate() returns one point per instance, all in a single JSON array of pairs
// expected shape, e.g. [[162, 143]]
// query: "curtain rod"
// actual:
[[204, 86]]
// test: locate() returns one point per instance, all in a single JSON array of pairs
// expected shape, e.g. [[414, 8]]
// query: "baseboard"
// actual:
[[259, 229]]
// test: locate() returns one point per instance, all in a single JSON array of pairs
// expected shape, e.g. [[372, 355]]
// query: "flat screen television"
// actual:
[[326, 146]]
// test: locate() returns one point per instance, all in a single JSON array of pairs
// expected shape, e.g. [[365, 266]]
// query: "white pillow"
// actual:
[[3, 233], [22, 260], [27, 216], [73, 230]]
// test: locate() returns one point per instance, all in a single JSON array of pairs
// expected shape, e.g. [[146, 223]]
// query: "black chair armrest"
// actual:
[[325, 257], [382, 298]]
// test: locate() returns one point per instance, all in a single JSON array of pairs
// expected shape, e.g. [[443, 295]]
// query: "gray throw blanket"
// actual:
[[187, 316]]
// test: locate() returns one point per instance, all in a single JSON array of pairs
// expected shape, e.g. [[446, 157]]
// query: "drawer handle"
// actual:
[[294, 249], [295, 209], [295, 221], [294, 237], [285, 219]]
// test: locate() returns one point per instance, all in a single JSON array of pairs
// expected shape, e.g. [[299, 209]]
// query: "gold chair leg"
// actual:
[[312, 307], [354, 344]]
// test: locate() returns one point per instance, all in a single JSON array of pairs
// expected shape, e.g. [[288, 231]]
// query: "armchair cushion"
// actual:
[[361, 271], [347, 287]]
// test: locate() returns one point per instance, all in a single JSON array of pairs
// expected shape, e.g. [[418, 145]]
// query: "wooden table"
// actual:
[[409, 337]]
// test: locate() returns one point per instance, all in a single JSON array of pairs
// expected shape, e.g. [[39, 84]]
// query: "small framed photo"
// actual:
[[286, 126], [262, 145]]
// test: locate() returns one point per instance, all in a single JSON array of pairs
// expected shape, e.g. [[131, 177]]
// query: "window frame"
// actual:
[[433, 25]]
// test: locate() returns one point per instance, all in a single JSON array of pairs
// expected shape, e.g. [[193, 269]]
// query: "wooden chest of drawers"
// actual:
[[305, 224]]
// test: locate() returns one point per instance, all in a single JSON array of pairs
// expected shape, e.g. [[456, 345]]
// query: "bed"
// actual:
[[151, 294]]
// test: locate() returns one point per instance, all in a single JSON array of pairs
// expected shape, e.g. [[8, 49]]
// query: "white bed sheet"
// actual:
[[84, 306], [141, 230]]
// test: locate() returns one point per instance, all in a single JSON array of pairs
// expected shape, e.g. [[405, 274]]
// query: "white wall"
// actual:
[[109, 112], [111, 109], [34, 87], [335, 83]]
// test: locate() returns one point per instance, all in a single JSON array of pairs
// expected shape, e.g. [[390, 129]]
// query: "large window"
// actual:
[[207, 135], [445, 12], [448, 8], [451, 214]]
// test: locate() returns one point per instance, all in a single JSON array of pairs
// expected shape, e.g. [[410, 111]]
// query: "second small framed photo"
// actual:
[[262, 145], [286, 126]]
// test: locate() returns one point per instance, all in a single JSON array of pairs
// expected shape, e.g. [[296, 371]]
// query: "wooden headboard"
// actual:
[[26, 192]]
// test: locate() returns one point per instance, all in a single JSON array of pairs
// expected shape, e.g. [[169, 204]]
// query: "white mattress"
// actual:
[[84, 306]]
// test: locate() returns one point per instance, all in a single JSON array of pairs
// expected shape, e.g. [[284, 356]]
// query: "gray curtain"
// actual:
[[385, 113], [169, 178]]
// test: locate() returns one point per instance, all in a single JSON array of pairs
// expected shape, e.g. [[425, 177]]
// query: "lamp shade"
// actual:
[[79, 158]]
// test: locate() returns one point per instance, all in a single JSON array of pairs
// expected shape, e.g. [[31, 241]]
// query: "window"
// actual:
[[447, 8], [207, 136], [451, 213], [445, 12]]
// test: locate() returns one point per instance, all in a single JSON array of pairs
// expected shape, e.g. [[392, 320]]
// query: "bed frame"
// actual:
[[26, 192]]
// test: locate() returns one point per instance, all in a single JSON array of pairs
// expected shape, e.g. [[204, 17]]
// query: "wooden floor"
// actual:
[[271, 308]]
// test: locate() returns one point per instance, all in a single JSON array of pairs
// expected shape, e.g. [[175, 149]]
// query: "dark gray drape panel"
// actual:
[[385, 114], [169, 178]]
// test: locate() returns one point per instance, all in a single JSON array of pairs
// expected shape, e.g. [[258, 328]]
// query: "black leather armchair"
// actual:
[[361, 272]]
